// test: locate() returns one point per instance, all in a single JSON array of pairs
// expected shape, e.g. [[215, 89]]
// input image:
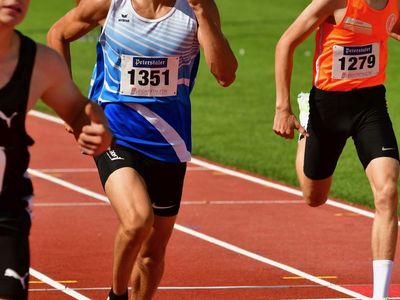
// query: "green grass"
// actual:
[[233, 126]]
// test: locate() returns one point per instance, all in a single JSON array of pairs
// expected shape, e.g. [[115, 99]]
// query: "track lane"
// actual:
[[291, 233]]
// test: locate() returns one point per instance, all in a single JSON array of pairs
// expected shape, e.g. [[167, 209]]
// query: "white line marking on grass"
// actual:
[[56, 285], [213, 240]]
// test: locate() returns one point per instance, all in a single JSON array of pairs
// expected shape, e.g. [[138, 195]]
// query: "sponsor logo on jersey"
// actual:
[[124, 18], [358, 26], [149, 62], [8, 120]]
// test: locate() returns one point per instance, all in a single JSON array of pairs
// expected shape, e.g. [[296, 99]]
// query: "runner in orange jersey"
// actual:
[[347, 100]]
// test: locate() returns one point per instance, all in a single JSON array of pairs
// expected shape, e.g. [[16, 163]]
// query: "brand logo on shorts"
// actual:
[[113, 156], [124, 18], [11, 273], [388, 149], [162, 207]]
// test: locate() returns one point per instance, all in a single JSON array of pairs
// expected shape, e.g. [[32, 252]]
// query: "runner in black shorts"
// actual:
[[28, 72], [348, 100], [144, 86], [164, 181], [336, 116]]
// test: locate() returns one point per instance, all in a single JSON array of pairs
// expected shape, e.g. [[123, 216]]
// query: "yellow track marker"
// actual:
[[59, 281], [346, 215]]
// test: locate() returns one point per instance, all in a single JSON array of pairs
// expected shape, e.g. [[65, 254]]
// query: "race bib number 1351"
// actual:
[[353, 62], [149, 76]]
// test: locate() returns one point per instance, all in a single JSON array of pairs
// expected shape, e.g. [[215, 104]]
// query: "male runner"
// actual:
[[29, 71], [147, 60], [347, 99]]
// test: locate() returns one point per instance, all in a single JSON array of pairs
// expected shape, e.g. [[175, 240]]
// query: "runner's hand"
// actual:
[[194, 3], [394, 35], [285, 123], [68, 128], [95, 138]]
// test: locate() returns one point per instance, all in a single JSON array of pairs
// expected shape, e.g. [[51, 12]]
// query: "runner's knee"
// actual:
[[137, 227], [386, 198]]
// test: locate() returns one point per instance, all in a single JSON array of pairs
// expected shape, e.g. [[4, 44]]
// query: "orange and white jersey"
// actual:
[[353, 54]]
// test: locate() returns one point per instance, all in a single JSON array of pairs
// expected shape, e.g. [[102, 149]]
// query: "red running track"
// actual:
[[238, 236]]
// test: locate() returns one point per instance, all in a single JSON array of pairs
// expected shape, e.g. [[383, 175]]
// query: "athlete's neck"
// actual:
[[152, 9], [377, 4], [9, 42]]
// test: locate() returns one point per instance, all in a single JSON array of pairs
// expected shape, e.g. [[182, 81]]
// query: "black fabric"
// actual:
[[164, 180], [14, 266], [16, 187], [112, 296], [14, 140], [335, 116]]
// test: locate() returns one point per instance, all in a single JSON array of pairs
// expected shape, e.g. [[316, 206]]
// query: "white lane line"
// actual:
[[69, 204], [69, 170], [216, 202], [68, 185], [193, 288], [237, 174], [241, 202], [45, 116], [277, 186], [58, 286], [268, 261], [94, 170], [212, 240]]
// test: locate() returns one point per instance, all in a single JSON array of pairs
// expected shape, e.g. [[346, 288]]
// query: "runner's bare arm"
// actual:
[[218, 54], [76, 23], [59, 92], [396, 28], [312, 16]]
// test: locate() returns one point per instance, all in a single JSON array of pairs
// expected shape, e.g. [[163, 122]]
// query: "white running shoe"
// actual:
[[304, 108]]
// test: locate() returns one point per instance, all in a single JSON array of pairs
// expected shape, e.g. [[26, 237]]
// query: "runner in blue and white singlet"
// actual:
[[147, 61], [150, 66]]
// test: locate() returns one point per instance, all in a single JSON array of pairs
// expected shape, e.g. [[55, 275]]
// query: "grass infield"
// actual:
[[233, 125]]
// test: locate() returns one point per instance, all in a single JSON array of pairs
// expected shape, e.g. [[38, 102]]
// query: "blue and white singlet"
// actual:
[[143, 77]]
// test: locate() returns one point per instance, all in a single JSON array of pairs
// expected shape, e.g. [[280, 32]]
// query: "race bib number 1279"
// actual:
[[353, 62], [149, 76]]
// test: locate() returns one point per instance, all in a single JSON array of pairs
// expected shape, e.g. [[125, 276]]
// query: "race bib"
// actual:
[[149, 76], [353, 62]]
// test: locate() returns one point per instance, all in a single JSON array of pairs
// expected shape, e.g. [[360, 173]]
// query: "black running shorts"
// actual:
[[335, 116], [164, 180], [14, 255]]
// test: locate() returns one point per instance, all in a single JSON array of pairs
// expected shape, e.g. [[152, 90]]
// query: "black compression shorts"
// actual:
[[335, 116], [164, 180], [14, 255]]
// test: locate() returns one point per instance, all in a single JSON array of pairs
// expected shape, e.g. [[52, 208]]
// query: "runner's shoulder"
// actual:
[[93, 10], [331, 5], [49, 64]]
